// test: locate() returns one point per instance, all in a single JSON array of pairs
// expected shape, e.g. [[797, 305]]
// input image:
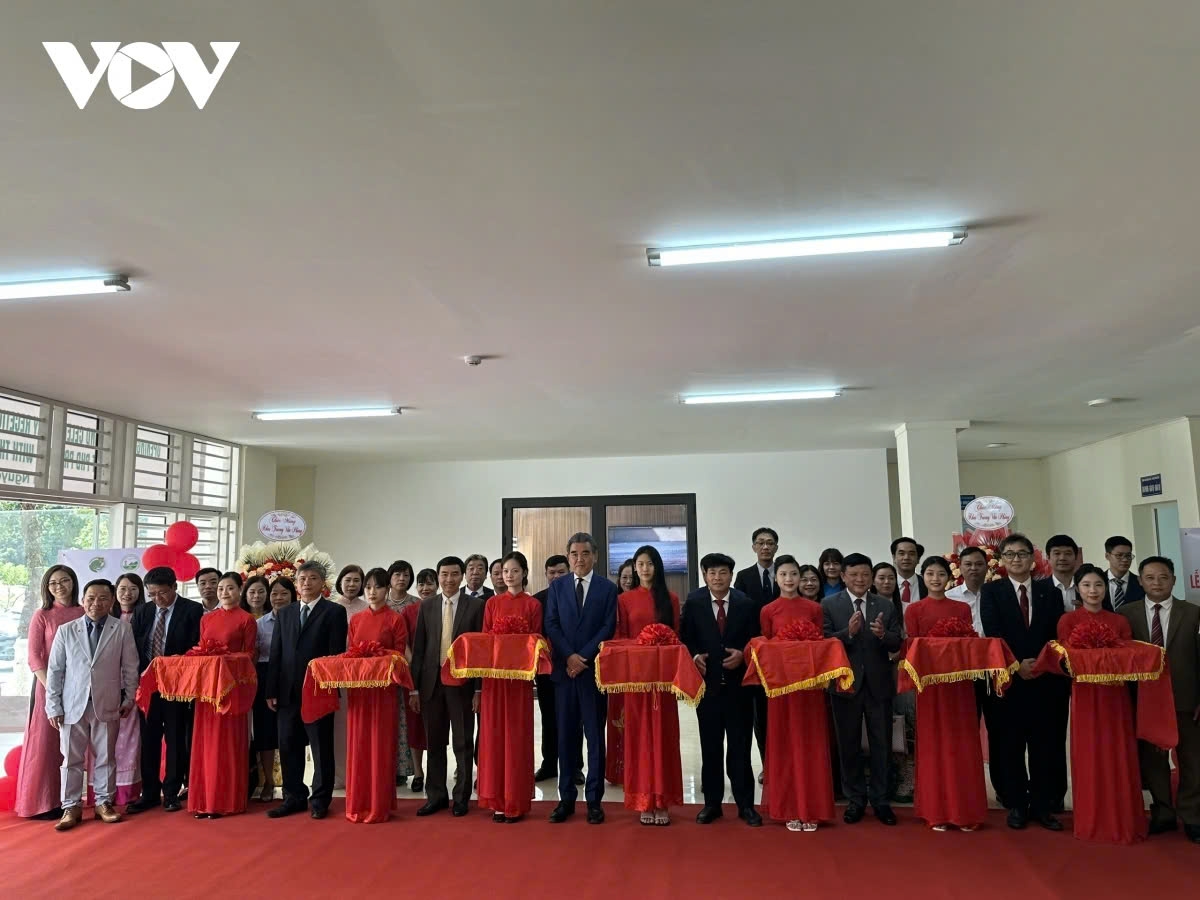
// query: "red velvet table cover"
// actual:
[[227, 681], [1134, 661], [513, 657], [947, 660], [627, 667], [327, 674], [782, 667]]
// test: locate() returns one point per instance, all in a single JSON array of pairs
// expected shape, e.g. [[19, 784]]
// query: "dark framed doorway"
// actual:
[[540, 526]]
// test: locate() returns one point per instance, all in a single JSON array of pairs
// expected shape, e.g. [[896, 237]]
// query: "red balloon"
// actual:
[[186, 566], [8, 793], [159, 555], [182, 536], [12, 762]]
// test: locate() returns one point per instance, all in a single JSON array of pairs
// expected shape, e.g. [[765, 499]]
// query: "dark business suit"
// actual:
[[726, 713], [292, 649], [1182, 643], [922, 592], [1030, 717], [575, 631], [445, 709], [749, 582], [549, 715], [167, 720], [871, 699]]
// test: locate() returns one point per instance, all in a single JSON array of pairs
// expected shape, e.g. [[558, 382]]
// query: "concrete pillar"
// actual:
[[927, 463]]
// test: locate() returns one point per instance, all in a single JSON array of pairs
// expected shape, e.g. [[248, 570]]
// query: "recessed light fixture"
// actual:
[[761, 397], [1100, 401], [310, 414], [821, 246], [63, 287], [997, 445]]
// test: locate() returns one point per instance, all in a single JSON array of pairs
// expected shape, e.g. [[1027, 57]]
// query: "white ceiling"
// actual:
[[376, 189]]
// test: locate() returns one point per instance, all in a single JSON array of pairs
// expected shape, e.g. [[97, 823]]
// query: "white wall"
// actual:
[[1093, 490], [257, 482], [372, 514], [295, 489]]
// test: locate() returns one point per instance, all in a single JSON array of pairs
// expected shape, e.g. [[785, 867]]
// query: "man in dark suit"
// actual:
[[1122, 586], [910, 587], [716, 625], [1162, 619], [758, 583], [447, 710], [869, 627], [306, 630], [1028, 718], [169, 625], [556, 567], [581, 612], [476, 570]]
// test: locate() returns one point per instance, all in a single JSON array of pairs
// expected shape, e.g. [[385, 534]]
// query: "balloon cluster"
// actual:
[[180, 538], [8, 784]]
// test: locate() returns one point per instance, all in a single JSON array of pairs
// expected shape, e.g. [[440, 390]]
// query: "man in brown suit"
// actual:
[[1175, 624], [444, 709]]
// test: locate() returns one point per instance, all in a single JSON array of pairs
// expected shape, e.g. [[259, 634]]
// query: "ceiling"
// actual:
[[377, 189]]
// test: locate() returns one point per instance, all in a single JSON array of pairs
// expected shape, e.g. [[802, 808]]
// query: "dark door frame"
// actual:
[[598, 504]]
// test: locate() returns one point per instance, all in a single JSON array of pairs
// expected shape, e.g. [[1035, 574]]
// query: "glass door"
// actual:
[[543, 531]]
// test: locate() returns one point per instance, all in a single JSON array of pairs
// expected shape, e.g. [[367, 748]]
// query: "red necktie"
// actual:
[[1156, 633], [906, 593], [1025, 605], [720, 615]]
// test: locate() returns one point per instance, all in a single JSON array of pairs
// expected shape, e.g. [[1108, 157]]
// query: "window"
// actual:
[[214, 474], [155, 465], [147, 526], [23, 428], [87, 446]]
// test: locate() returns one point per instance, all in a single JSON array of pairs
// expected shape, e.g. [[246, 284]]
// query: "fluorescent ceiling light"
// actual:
[[855, 243], [1100, 401], [63, 287], [308, 414], [762, 397], [998, 445]]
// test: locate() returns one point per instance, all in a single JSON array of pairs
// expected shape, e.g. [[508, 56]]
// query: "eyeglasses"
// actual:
[[1016, 554], [1122, 557], [767, 543], [65, 583], [158, 595]]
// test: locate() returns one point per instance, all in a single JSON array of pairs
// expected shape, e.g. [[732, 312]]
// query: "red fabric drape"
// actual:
[[627, 667], [931, 660], [478, 654], [328, 673], [1105, 776], [784, 667], [228, 682]]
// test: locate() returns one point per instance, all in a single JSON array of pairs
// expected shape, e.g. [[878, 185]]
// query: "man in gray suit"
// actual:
[[91, 681], [445, 709], [869, 627]]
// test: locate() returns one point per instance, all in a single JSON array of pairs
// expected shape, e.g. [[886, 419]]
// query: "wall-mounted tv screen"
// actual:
[[671, 542]]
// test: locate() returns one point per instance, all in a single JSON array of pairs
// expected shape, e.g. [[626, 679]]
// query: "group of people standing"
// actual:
[[86, 678]]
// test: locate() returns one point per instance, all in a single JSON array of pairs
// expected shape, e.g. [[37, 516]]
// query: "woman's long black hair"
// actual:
[[664, 610]]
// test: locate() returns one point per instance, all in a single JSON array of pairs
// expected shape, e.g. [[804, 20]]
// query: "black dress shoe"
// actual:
[[1017, 819], [750, 816], [139, 806], [172, 806], [561, 813], [432, 807], [512, 820], [708, 815], [497, 817], [579, 779], [418, 785], [1193, 833], [319, 812], [1162, 826], [885, 815], [854, 814], [286, 808], [544, 774], [595, 815], [1047, 821], [460, 810]]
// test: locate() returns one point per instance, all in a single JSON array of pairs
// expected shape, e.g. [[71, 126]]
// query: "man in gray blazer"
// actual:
[[91, 681], [869, 627], [445, 710]]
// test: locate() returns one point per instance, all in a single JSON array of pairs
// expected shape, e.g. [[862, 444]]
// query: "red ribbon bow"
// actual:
[[209, 647], [800, 630], [954, 627], [657, 635]]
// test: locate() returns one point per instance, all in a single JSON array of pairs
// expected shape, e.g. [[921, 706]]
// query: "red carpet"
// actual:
[[440, 857]]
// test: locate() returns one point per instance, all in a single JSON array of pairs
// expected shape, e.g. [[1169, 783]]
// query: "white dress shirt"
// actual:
[[964, 594], [587, 583], [1113, 581], [770, 570], [724, 600], [1164, 617], [1068, 592], [914, 588]]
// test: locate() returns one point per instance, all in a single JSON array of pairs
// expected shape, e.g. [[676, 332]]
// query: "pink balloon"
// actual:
[[12, 762]]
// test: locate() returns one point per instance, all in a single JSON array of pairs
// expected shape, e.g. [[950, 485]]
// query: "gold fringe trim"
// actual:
[[1112, 678], [503, 674], [650, 687], [332, 685], [998, 676], [843, 676]]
